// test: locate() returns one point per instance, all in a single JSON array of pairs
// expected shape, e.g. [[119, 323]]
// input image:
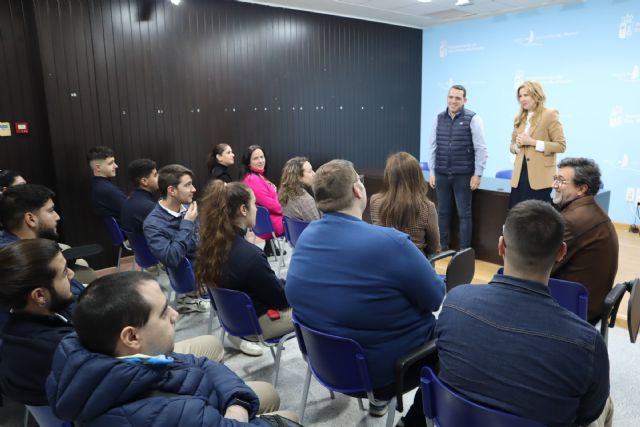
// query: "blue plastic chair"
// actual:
[[141, 252], [570, 295], [183, 281], [293, 228], [45, 417], [443, 407], [265, 226], [424, 166], [238, 318], [117, 236], [505, 174], [338, 363]]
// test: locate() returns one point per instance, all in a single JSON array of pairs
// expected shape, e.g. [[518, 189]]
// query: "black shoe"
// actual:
[[268, 250]]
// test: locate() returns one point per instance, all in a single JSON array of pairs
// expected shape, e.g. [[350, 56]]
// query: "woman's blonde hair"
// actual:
[[290, 185], [404, 191], [534, 89]]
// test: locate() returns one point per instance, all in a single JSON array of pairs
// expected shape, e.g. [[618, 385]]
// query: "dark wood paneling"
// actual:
[[171, 86]]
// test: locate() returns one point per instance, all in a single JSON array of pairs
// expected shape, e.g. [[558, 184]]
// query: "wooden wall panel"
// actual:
[[171, 86]]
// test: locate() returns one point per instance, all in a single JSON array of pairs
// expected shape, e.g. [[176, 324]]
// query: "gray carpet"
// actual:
[[322, 411]]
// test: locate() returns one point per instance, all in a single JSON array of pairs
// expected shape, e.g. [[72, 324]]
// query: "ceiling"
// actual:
[[413, 13]]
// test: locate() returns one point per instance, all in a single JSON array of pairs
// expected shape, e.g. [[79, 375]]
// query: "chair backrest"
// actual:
[[337, 363], [424, 166], [461, 268], [570, 295], [293, 228], [115, 232], [45, 417], [449, 409], [505, 174], [182, 278], [633, 310], [141, 252], [236, 312], [263, 221]]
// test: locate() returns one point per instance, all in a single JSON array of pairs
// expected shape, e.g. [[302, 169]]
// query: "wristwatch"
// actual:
[[243, 403]]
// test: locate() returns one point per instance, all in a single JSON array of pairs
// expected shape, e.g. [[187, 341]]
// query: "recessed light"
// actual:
[[424, 1]]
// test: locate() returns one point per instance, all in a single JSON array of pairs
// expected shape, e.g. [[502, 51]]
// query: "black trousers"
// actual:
[[524, 192]]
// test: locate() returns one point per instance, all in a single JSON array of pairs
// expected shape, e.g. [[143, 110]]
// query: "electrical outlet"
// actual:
[[631, 195]]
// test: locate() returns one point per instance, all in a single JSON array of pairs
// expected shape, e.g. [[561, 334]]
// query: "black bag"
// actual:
[[279, 421]]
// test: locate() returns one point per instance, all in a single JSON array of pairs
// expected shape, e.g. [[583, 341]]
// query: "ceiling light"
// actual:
[[424, 1], [464, 2], [176, 2]]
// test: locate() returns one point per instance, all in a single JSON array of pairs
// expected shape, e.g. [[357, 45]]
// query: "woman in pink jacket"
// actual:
[[254, 165]]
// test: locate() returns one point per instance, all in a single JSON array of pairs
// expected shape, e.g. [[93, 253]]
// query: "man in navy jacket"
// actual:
[[120, 369], [144, 177], [106, 198], [362, 281]]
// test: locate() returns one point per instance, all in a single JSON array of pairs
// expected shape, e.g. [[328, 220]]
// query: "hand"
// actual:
[[432, 181], [238, 413], [192, 212], [523, 139], [474, 183]]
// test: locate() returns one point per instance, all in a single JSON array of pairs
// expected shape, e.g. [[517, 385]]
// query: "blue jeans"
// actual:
[[448, 188]]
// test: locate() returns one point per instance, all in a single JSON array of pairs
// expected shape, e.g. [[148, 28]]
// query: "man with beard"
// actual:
[[592, 242], [36, 287]]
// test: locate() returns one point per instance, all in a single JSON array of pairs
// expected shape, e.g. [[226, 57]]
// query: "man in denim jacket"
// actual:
[[510, 346]]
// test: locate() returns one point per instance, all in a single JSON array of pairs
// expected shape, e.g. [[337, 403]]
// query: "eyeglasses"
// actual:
[[361, 178], [560, 180]]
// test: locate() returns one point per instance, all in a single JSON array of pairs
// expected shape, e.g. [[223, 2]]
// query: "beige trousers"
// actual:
[[278, 327], [606, 418], [203, 346]]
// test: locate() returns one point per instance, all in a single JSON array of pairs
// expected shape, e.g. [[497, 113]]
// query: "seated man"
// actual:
[[508, 345], [36, 286], [592, 242], [171, 231], [142, 200], [9, 178], [28, 212], [120, 368], [363, 281], [106, 198]]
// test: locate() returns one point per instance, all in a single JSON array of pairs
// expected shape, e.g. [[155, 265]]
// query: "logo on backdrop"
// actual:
[[629, 76], [617, 117], [447, 49], [466, 83], [628, 27], [546, 80], [539, 40]]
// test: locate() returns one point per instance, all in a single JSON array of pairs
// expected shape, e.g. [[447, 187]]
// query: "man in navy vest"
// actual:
[[457, 157]]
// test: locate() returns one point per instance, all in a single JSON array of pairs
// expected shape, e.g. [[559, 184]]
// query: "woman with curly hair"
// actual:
[[295, 190], [226, 259], [403, 203]]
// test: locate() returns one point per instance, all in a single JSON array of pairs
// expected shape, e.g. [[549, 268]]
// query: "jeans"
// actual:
[[448, 188]]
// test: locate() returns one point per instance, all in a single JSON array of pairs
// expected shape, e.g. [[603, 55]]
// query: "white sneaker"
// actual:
[[247, 347]]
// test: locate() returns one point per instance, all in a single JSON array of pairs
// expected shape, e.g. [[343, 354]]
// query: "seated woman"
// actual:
[[254, 166], [227, 260], [220, 158], [295, 190], [403, 203]]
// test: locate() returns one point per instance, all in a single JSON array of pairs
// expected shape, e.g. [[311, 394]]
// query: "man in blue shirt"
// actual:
[[142, 200], [457, 157], [509, 345], [362, 281], [106, 198]]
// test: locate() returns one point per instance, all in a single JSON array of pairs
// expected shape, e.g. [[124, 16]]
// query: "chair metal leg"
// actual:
[[332, 394], [430, 423], [26, 417], [119, 254], [273, 353], [392, 412], [360, 405], [277, 361], [305, 394], [212, 313]]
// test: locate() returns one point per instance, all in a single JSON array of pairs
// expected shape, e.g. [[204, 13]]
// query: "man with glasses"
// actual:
[[364, 282], [592, 242]]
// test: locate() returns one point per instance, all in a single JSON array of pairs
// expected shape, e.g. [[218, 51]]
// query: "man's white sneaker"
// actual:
[[247, 347]]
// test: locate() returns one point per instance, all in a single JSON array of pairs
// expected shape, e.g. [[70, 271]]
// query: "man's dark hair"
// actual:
[[20, 199], [24, 266], [140, 168], [107, 306], [460, 87], [533, 233], [170, 176], [99, 152], [7, 176], [587, 173]]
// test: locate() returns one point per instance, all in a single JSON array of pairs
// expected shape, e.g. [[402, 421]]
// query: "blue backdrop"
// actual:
[[587, 57]]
